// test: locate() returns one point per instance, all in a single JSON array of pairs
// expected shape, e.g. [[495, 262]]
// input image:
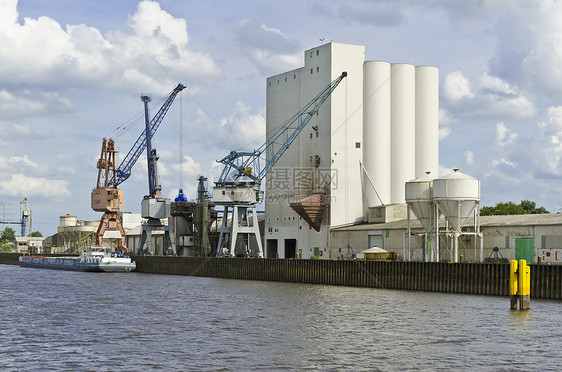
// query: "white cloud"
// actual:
[[247, 127], [445, 121], [41, 53], [548, 143], [22, 185], [244, 129], [456, 86], [504, 136], [529, 49], [267, 47], [489, 97], [469, 157]]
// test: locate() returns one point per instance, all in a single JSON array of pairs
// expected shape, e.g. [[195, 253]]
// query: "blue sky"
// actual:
[[72, 72]]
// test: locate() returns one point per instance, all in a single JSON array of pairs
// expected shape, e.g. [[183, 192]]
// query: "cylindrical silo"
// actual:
[[376, 134], [427, 120], [403, 129], [457, 195], [418, 197], [68, 220]]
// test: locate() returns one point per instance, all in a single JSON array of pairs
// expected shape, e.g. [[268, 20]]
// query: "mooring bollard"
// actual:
[[524, 285], [513, 285], [520, 285]]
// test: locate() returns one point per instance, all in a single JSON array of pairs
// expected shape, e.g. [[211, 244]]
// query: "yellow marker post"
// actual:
[[513, 284], [524, 285]]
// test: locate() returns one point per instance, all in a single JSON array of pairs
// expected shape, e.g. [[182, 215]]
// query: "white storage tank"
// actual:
[[403, 129], [68, 220], [419, 198], [457, 195], [376, 134], [427, 120]]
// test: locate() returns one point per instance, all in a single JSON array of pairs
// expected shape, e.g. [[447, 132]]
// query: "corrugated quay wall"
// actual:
[[468, 278]]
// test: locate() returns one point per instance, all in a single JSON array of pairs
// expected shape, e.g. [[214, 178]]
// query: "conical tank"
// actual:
[[457, 195], [418, 197]]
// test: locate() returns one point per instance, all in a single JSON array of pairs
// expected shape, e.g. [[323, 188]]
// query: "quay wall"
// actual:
[[467, 278]]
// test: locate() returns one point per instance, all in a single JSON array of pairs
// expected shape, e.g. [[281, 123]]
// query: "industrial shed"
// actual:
[[534, 237]]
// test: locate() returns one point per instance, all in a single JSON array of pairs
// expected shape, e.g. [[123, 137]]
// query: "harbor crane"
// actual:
[[238, 186], [107, 197], [24, 222]]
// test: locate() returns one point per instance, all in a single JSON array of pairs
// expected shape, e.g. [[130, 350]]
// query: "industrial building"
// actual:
[[378, 130], [533, 237], [74, 235]]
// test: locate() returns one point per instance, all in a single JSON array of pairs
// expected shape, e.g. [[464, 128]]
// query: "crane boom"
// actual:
[[124, 171], [248, 163]]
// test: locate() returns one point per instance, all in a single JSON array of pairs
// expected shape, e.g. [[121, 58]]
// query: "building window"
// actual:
[[507, 241], [317, 69], [268, 219], [294, 76], [300, 227], [311, 53], [317, 134], [285, 79], [293, 218], [317, 52], [310, 135], [269, 83], [277, 219], [311, 70], [284, 218], [357, 145], [277, 81]]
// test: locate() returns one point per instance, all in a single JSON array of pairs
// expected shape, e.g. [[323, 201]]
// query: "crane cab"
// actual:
[[105, 199]]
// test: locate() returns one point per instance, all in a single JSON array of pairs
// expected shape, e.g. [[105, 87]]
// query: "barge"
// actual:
[[98, 259]]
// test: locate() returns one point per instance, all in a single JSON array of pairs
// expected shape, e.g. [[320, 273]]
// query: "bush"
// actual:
[[314, 257]]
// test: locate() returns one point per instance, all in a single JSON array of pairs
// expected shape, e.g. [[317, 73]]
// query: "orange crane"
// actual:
[[106, 198]]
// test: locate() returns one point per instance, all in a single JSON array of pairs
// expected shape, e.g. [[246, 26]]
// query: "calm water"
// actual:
[[58, 320]]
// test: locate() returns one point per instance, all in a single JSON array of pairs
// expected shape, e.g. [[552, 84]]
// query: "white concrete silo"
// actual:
[[427, 120], [403, 129], [376, 134], [419, 199], [456, 195]]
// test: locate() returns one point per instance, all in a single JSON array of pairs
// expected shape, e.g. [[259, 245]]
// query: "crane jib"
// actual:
[[276, 145], [123, 172]]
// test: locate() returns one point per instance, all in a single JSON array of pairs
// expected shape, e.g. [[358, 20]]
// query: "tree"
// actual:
[[36, 234], [510, 208], [8, 235], [531, 207]]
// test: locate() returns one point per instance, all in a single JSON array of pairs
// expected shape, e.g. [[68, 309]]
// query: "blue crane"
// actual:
[[238, 187], [238, 164], [123, 172]]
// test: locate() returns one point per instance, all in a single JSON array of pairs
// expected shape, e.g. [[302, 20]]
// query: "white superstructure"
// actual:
[[356, 153]]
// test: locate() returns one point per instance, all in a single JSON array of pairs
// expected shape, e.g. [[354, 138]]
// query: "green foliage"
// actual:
[[36, 234], [531, 207], [6, 248], [510, 208], [8, 235], [314, 257]]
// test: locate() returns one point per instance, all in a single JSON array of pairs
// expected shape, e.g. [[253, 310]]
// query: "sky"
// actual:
[[72, 72]]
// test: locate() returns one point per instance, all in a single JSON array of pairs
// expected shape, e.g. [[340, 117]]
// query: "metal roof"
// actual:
[[485, 221]]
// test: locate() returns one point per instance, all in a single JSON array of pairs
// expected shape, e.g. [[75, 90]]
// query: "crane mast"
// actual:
[[238, 187]]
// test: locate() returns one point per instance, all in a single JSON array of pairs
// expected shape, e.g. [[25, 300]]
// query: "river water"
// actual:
[[61, 320]]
